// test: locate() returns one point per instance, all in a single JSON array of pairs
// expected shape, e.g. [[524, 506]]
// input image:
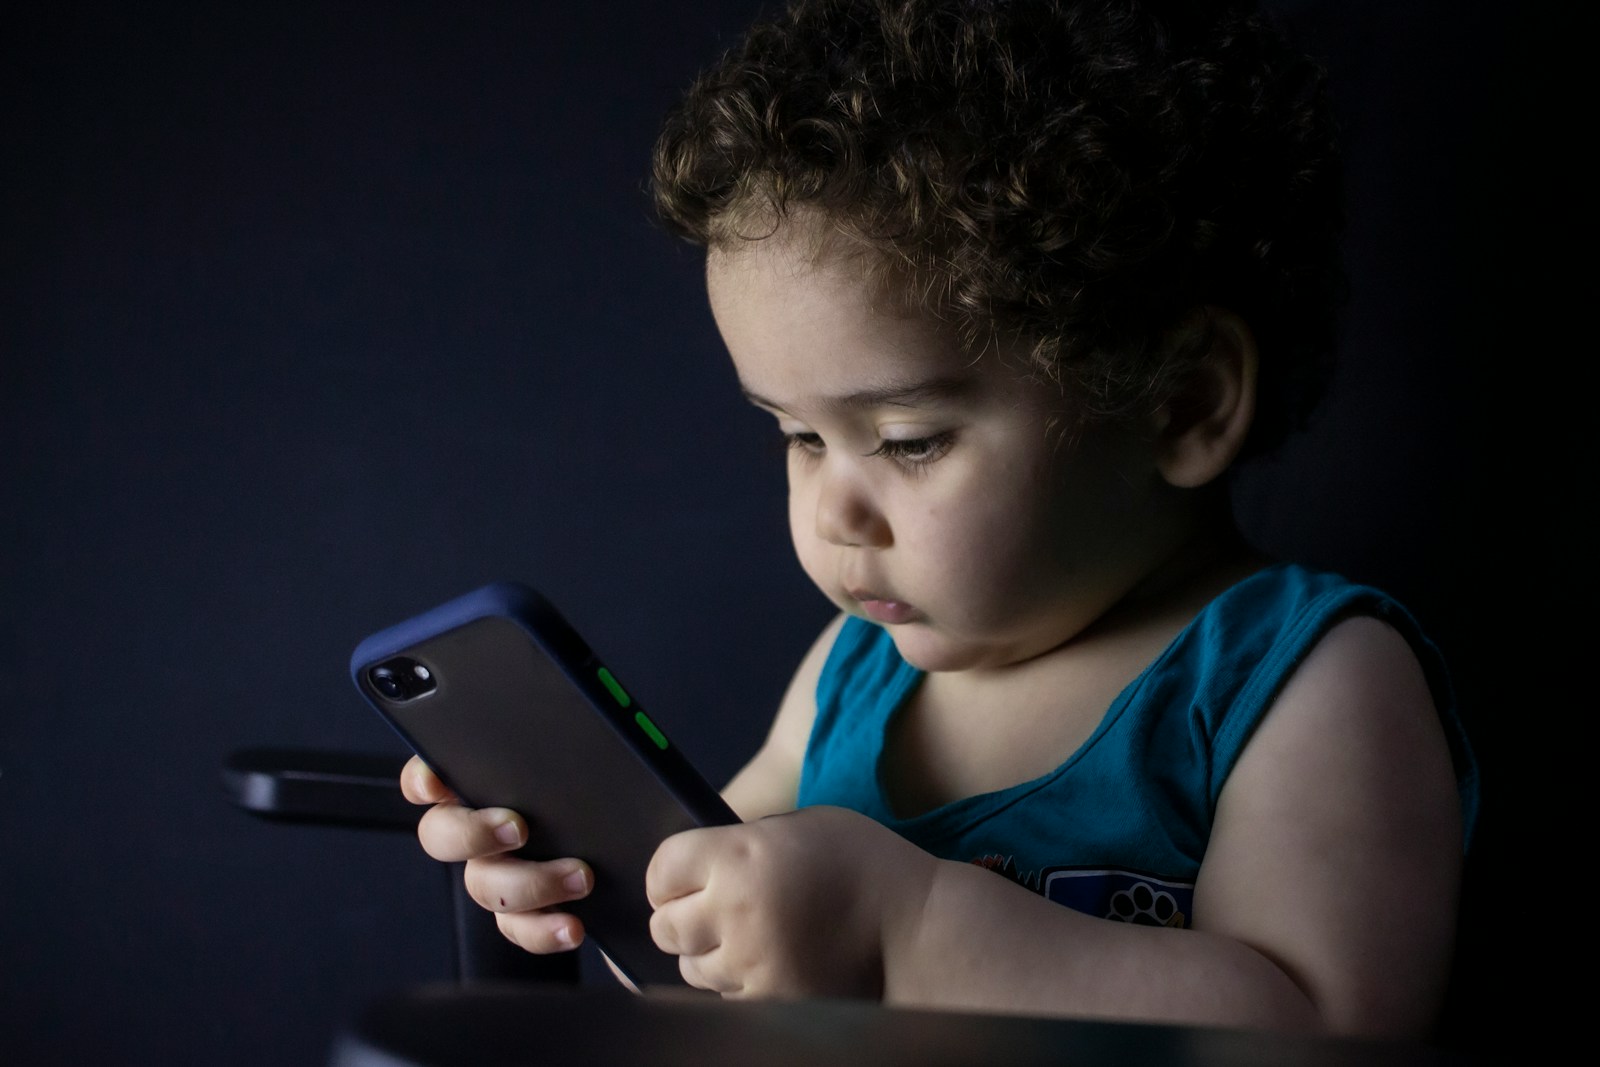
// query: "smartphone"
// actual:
[[508, 705]]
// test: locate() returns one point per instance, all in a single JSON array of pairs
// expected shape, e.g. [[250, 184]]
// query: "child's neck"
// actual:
[[969, 732], [1199, 568]]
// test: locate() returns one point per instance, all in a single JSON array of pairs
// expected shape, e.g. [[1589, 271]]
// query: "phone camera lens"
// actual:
[[402, 678], [386, 683]]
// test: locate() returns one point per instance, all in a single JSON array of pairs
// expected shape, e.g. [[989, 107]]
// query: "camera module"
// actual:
[[402, 678]]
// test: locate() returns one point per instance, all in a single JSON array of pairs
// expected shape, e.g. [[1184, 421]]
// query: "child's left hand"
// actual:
[[791, 905]]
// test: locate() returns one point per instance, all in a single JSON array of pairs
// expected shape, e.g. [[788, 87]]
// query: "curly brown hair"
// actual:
[[1081, 176]]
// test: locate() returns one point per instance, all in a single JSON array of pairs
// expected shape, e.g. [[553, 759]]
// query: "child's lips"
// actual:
[[882, 609]]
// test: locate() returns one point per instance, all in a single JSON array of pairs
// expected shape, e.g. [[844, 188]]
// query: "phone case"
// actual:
[[512, 709]]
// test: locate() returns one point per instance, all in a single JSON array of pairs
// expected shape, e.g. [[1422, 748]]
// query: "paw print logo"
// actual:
[[1144, 905]]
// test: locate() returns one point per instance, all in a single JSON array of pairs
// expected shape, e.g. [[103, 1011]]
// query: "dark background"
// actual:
[[313, 315]]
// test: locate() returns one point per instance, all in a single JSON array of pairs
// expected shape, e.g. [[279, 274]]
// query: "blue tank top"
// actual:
[[1120, 828]]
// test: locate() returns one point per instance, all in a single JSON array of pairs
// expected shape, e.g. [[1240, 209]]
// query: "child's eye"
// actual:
[[916, 451], [809, 443]]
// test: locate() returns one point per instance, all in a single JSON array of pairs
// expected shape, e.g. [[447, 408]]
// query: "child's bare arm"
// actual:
[[1326, 901], [1338, 842], [770, 782]]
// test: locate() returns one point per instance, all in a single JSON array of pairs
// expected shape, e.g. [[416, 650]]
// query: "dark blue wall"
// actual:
[[313, 315]]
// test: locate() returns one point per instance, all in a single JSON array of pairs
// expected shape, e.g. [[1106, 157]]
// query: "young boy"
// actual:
[[1020, 282]]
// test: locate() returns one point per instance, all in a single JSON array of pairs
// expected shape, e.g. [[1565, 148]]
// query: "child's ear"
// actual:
[[1204, 424]]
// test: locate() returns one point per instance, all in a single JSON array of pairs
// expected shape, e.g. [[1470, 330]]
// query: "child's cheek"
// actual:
[[817, 558]]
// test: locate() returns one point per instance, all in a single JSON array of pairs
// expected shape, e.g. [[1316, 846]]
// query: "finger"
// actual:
[[680, 865], [541, 932], [685, 927], [707, 972], [420, 785], [452, 833], [504, 884]]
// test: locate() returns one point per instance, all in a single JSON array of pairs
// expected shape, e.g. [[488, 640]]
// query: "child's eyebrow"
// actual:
[[908, 394]]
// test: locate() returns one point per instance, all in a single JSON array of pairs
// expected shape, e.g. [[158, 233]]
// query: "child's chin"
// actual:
[[928, 650]]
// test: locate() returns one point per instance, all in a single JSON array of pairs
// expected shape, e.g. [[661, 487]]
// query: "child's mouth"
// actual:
[[886, 611]]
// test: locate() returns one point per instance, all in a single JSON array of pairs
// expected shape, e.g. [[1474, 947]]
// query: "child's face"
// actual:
[[930, 491]]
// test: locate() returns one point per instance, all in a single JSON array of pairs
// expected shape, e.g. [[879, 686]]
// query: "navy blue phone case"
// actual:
[[512, 709]]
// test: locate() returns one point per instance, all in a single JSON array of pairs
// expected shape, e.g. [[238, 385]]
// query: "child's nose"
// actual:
[[847, 513]]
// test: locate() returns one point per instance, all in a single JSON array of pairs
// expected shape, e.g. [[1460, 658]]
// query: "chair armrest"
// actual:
[[312, 785]]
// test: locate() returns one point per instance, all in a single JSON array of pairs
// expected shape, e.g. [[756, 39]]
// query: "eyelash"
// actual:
[[915, 452]]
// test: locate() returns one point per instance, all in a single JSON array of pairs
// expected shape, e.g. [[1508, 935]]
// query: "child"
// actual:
[[1020, 282]]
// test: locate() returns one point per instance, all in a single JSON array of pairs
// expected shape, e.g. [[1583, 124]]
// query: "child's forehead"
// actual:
[[814, 334], [788, 282], [780, 292]]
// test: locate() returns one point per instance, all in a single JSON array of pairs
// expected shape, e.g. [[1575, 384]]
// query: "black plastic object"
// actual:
[[312, 785]]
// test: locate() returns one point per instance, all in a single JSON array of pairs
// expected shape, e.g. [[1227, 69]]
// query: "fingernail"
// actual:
[[508, 832], [577, 881], [564, 936]]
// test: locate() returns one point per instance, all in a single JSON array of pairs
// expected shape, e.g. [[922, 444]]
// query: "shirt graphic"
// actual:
[[1106, 893]]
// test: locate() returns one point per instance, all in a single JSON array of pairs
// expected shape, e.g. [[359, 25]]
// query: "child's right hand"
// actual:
[[518, 891]]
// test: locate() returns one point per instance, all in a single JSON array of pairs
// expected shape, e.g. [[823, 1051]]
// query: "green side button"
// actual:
[[650, 728], [615, 687]]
